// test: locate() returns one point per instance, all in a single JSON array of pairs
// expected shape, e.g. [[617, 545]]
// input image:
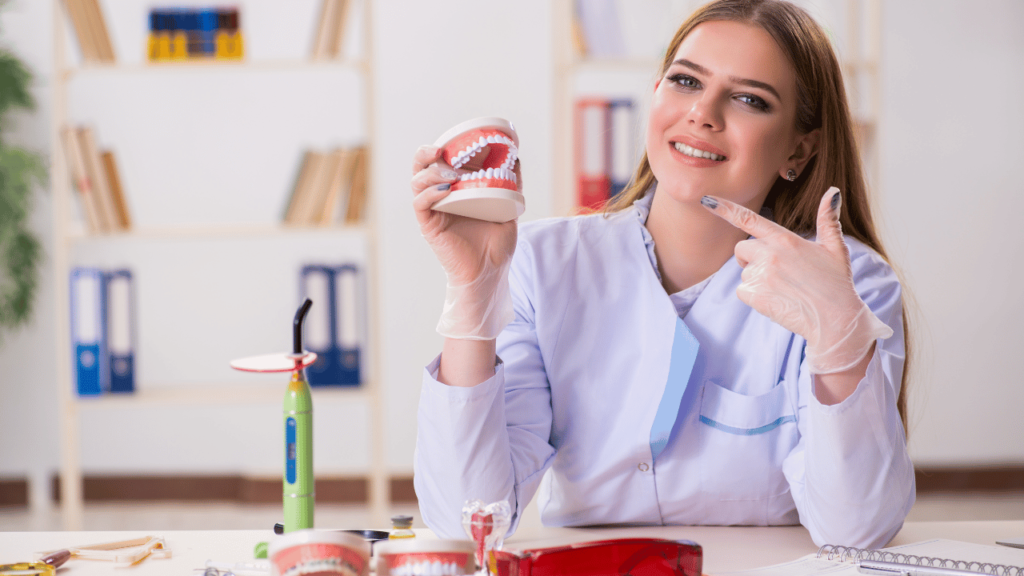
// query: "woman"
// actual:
[[681, 358]]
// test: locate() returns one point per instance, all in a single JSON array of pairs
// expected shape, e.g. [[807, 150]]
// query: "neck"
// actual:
[[690, 242]]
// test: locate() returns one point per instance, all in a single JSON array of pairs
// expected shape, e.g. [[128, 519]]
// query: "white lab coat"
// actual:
[[583, 368]]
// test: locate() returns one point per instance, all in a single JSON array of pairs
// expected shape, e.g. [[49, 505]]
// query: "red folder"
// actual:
[[593, 153]]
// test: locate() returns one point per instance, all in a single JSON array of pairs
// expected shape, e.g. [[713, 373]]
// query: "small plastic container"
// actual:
[[401, 527]]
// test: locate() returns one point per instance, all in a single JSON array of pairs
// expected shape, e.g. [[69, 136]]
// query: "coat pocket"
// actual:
[[741, 415], [744, 440]]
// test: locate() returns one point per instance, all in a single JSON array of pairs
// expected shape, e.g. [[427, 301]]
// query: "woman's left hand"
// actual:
[[806, 286]]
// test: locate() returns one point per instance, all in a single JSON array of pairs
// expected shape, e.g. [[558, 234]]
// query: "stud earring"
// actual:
[[791, 175]]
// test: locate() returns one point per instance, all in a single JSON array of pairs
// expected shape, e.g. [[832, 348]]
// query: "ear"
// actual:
[[805, 149]]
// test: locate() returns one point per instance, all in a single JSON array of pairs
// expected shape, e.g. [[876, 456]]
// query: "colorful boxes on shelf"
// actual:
[[194, 33]]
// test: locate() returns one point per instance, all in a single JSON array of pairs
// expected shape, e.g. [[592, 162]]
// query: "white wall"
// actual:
[[28, 396], [951, 197], [949, 125]]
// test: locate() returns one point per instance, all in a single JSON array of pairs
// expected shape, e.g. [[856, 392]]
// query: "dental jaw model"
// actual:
[[485, 151]]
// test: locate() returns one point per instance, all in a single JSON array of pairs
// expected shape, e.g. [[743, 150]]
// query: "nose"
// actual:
[[705, 113]]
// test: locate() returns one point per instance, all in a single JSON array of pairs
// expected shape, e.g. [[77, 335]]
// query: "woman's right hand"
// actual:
[[475, 254]]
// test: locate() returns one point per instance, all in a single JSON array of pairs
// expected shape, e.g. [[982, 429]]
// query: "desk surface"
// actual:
[[725, 548]]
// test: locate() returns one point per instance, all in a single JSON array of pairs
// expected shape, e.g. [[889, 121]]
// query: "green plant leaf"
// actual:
[[20, 172]]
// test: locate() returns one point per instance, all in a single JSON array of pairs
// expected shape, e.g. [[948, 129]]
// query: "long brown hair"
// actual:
[[821, 104]]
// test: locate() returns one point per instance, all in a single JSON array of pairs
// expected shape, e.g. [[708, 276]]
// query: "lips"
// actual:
[[698, 149], [490, 156]]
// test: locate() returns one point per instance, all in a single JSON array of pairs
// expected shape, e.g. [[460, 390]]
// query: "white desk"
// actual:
[[725, 548]]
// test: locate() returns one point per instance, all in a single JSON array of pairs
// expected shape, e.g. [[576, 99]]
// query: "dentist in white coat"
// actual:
[[723, 345]]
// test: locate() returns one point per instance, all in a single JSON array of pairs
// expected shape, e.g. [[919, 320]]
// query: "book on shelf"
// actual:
[[124, 219], [330, 29], [194, 34], [295, 208], [326, 178], [930, 556], [91, 30], [96, 181], [98, 177], [356, 209], [80, 177], [102, 330], [604, 149], [330, 187], [339, 189]]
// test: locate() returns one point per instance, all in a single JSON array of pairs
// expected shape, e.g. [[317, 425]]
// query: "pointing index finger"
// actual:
[[741, 217]]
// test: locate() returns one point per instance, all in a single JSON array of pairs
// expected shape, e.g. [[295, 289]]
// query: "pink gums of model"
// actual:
[[484, 151]]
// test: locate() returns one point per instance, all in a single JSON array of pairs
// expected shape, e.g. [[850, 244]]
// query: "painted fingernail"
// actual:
[[449, 174], [709, 202], [444, 186], [835, 200]]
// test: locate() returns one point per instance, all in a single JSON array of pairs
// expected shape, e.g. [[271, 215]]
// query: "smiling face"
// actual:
[[723, 116]]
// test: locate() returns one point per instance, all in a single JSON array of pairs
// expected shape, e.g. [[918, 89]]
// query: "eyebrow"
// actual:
[[744, 81]]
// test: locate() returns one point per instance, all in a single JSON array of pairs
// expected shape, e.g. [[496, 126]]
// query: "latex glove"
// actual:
[[803, 285], [475, 254]]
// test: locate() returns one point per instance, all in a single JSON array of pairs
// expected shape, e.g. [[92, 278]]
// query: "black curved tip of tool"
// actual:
[[300, 315]]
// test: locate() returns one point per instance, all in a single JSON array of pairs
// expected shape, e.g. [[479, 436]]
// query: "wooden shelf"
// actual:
[[217, 231], [613, 65], [205, 65], [217, 393]]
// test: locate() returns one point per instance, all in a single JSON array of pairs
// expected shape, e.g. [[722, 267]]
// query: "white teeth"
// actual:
[[696, 153], [490, 173]]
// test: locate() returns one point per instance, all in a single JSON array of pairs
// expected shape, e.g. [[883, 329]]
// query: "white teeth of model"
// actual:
[[482, 142], [491, 140], [490, 173], [513, 177]]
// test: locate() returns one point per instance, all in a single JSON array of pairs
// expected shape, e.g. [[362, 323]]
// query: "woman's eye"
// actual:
[[684, 80], [754, 101]]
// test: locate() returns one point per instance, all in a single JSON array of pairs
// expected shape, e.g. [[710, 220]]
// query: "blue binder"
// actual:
[[120, 330], [334, 325], [87, 319], [102, 331], [623, 132]]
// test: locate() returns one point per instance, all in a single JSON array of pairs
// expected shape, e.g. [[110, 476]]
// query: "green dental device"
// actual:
[[298, 483]]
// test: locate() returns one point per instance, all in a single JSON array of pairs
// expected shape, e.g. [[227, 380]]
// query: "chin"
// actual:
[[684, 191]]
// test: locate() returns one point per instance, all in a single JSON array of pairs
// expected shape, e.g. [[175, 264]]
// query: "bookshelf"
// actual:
[[208, 242], [853, 25]]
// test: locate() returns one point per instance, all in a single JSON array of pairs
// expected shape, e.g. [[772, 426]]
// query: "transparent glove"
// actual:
[[475, 254], [805, 286]]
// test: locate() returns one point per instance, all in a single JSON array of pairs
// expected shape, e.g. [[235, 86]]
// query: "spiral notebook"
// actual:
[[949, 554]]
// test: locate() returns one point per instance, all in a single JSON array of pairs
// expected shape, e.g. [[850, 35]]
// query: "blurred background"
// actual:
[[230, 179]]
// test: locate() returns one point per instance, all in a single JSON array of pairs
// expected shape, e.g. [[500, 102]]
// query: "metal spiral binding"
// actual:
[[851, 554]]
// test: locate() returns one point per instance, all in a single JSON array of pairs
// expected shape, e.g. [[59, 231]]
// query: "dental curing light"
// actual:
[[298, 424]]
